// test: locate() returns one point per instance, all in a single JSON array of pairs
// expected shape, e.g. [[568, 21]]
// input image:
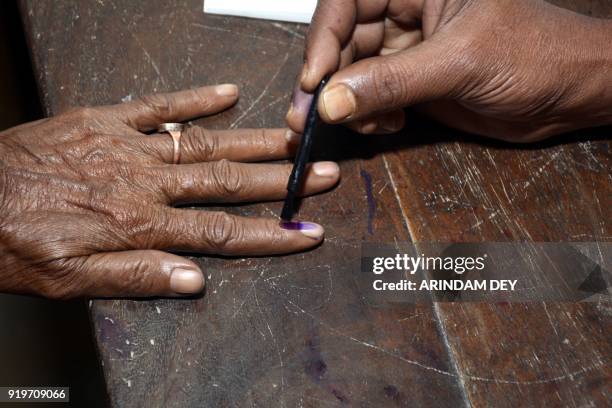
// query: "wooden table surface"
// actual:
[[295, 330]]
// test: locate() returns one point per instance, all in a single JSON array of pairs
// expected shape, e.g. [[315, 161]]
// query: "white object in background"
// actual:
[[298, 11]]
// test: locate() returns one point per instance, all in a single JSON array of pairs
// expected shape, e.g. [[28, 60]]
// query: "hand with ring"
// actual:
[[87, 199]]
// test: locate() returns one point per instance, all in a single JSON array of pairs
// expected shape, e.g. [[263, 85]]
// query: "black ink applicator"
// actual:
[[301, 158]]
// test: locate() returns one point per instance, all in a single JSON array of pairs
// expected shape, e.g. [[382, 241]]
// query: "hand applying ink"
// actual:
[[515, 70]]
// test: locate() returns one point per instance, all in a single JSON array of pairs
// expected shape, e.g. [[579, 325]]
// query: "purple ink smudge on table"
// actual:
[[314, 365], [316, 368], [367, 180], [392, 392]]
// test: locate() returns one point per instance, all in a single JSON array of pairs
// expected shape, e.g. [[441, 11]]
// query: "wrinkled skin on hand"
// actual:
[[86, 198], [515, 70]]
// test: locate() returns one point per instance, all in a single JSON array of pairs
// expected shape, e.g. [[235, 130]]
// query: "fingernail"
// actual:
[[186, 281], [369, 127], [395, 125], [310, 229], [389, 127], [226, 90], [292, 137], [338, 102], [325, 169]]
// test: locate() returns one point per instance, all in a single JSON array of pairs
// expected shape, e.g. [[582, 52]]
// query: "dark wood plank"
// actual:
[[282, 331], [457, 189], [518, 353]]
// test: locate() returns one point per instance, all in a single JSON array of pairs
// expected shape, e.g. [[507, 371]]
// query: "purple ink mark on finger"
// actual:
[[301, 102], [367, 181], [297, 225]]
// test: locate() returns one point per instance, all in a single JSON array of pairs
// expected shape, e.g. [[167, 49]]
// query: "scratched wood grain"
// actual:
[[283, 331], [291, 331], [457, 189]]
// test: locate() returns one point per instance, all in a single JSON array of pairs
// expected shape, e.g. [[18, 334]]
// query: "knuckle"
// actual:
[[84, 113], [201, 142], [97, 142], [99, 198], [228, 178], [84, 116], [262, 139], [158, 105], [115, 211], [220, 230], [467, 55], [122, 217], [389, 82], [138, 279], [146, 229], [466, 52], [204, 102], [275, 236], [138, 227]]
